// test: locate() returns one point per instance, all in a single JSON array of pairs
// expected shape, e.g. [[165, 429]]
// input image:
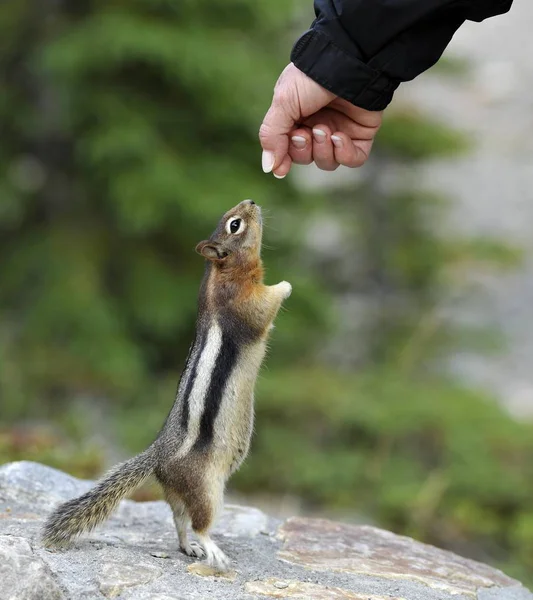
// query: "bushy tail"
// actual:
[[86, 512]]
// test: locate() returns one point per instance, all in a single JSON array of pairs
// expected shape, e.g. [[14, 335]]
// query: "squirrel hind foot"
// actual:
[[193, 549], [214, 556]]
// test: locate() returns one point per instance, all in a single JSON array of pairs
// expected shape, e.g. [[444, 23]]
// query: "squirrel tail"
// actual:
[[87, 511]]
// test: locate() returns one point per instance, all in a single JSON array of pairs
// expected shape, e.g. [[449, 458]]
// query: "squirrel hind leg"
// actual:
[[202, 506], [196, 493], [181, 521]]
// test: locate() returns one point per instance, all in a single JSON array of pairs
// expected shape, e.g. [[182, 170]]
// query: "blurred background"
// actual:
[[399, 388]]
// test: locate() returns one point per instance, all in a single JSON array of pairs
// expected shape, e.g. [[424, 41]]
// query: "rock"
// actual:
[[298, 590], [23, 575], [204, 570], [134, 556], [323, 544], [115, 576]]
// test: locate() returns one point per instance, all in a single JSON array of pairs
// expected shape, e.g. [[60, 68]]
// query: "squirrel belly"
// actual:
[[207, 433]]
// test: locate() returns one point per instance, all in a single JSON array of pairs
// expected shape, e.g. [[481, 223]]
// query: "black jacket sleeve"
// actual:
[[363, 49]]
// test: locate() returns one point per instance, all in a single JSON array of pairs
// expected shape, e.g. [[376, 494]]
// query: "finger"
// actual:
[[284, 168], [342, 121], [301, 146], [323, 154], [280, 120], [368, 119], [273, 137], [346, 152]]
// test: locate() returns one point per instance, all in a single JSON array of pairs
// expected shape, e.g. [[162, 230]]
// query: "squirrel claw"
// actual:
[[193, 549], [219, 560]]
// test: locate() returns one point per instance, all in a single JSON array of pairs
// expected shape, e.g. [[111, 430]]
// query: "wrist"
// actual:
[[340, 73]]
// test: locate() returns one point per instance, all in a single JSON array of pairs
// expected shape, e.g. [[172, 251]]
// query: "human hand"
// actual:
[[307, 123]]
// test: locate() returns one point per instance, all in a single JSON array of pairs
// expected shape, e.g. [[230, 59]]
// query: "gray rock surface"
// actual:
[[134, 556]]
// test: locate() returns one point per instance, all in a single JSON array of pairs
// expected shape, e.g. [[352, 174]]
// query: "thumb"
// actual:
[[273, 135]]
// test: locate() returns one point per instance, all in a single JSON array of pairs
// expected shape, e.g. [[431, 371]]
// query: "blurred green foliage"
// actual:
[[425, 457], [43, 445], [410, 136], [453, 67], [126, 130]]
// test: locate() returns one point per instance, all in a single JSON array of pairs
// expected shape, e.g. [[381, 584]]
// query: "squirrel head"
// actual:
[[237, 238]]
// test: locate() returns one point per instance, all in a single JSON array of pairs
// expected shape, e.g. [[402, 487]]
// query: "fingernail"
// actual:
[[267, 161], [299, 142], [319, 135], [337, 141], [279, 176]]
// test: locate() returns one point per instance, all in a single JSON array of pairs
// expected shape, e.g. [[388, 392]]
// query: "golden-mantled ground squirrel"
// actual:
[[207, 434]]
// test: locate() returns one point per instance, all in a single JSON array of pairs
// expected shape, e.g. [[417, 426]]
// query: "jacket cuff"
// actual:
[[344, 75], [340, 73]]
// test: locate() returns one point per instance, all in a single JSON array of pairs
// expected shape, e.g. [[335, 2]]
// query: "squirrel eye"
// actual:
[[235, 225]]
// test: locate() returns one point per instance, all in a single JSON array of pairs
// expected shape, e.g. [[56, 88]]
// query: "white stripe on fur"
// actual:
[[200, 387]]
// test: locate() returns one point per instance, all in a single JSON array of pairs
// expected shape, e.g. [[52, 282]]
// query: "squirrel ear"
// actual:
[[211, 250]]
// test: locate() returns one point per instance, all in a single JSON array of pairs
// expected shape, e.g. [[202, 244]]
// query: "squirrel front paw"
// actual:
[[286, 289]]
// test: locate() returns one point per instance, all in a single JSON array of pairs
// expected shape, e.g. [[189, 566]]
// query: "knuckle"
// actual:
[[286, 97], [264, 132], [354, 164], [298, 160], [282, 97], [328, 166]]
